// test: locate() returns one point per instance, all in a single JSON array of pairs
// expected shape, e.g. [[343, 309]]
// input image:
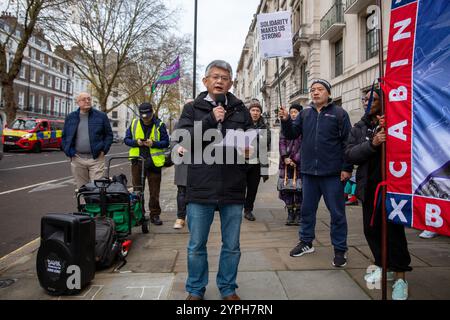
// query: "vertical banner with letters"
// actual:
[[417, 95]]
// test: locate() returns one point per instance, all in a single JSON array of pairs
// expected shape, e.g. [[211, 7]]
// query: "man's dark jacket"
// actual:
[[100, 133], [263, 157], [359, 151], [216, 183], [323, 139]]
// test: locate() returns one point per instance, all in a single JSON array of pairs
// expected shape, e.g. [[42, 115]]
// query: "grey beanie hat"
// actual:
[[323, 82]]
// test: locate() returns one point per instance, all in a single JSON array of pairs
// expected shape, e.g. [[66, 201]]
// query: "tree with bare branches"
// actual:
[[106, 38], [136, 82], [20, 19]]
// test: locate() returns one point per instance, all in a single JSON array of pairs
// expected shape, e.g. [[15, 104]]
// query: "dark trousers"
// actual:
[[332, 190], [154, 185], [253, 179], [181, 202], [398, 258]]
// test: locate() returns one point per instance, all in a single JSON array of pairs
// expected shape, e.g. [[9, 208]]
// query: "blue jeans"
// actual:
[[332, 190], [199, 219]]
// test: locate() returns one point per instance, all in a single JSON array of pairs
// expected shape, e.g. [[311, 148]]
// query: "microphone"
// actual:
[[220, 102]]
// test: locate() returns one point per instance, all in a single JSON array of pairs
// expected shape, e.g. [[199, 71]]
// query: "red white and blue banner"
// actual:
[[417, 95]]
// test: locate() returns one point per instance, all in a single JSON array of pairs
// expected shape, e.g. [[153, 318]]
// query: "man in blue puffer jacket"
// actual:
[[325, 128], [86, 139]]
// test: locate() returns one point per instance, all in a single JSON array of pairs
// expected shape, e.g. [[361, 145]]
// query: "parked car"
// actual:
[[32, 134]]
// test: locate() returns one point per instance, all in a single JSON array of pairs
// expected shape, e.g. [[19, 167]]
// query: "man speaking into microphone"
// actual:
[[221, 185]]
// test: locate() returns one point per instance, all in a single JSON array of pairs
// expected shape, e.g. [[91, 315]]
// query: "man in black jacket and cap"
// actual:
[[220, 185], [260, 165]]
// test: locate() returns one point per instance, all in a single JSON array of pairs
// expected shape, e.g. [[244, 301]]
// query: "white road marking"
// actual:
[[48, 182], [34, 165], [33, 186], [31, 243], [51, 163]]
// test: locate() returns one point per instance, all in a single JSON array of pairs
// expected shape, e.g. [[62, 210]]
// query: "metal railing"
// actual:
[[333, 16], [348, 3], [299, 93]]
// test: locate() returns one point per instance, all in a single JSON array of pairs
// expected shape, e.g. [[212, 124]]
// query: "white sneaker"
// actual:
[[428, 234], [400, 290], [375, 276], [179, 224]]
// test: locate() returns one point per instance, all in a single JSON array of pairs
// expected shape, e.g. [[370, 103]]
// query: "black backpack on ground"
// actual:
[[106, 244]]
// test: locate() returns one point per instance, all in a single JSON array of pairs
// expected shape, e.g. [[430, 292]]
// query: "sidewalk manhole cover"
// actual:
[[6, 283]]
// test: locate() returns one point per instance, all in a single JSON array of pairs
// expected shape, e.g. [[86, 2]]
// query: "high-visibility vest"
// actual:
[[138, 133]]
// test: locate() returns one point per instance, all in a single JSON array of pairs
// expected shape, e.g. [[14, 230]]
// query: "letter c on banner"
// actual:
[[398, 173]]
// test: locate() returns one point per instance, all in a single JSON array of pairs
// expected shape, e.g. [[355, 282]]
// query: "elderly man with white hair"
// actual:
[[86, 139]]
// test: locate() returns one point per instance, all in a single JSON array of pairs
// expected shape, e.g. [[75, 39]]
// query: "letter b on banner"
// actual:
[[433, 216]]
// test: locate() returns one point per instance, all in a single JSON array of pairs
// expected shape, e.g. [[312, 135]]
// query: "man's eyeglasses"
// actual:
[[216, 77], [365, 99]]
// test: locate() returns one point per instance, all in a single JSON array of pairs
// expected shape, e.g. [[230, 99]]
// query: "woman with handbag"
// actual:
[[289, 182]]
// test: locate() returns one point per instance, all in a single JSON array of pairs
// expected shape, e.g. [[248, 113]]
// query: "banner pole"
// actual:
[[384, 236], [279, 84]]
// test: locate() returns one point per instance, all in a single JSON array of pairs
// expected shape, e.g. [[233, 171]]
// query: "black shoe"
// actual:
[[340, 259], [297, 218], [291, 218], [156, 221], [301, 249], [249, 216]]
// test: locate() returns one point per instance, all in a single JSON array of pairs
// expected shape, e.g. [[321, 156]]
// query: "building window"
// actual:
[[304, 79], [57, 108], [63, 85], [63, 106], [372, 43], [49, 104], [23, 69], [115, 124], [57, 83], [21, 99], [114, 114], [33, 54], [338, 58], [33, 75], [42, 78], [31, 104], [49, 81], [41, 103]]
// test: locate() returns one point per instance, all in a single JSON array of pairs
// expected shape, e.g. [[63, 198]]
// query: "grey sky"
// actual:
[[222, 28]]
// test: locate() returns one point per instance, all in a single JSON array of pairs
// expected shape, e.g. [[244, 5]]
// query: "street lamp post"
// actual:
[[194, 86]]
